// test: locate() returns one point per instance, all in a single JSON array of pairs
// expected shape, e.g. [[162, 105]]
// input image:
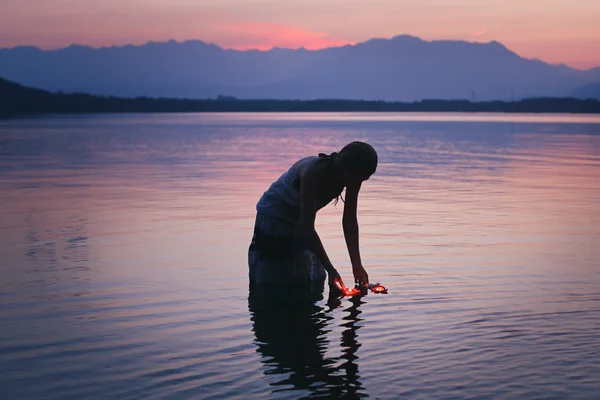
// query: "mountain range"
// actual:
[[403, 68]]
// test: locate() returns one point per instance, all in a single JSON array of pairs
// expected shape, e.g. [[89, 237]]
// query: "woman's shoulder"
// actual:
[[313, 165]]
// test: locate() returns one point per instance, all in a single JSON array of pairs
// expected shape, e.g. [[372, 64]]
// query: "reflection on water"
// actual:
[[291, 332], [123, 259]]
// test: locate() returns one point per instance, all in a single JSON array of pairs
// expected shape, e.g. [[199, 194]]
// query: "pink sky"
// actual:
[[555, 31]]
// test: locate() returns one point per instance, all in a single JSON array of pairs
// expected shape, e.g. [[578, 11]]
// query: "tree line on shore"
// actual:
[[19, 100]]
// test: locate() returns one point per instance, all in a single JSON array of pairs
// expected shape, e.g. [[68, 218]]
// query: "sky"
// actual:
[[556, 31]]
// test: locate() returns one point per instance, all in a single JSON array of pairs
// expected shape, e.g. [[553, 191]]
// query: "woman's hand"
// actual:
[[335, 280], [360, 275]]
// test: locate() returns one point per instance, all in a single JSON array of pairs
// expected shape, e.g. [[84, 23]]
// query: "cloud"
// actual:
[[261, 36], [480, 33]]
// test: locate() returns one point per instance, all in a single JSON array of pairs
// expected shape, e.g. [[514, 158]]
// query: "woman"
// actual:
[[286, 248]]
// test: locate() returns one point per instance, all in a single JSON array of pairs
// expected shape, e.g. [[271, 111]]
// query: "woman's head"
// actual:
[[357, 161]]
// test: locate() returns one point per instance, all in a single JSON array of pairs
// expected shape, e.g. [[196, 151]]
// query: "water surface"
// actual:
[[123, 250]]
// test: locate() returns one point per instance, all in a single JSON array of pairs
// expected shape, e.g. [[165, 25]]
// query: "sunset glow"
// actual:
[[268, 36], [551, 30]]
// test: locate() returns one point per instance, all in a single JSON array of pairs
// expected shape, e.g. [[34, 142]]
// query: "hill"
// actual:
[[403, 68]]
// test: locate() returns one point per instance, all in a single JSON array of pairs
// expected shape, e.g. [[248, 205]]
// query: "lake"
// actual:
[[124, 238]]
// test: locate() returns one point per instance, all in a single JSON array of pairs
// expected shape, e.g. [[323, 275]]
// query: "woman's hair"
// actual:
[[356, 158]]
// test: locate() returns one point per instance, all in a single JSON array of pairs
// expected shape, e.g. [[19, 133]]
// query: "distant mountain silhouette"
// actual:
[[591, 91], [593, 74], [403, 68], [18, 100]]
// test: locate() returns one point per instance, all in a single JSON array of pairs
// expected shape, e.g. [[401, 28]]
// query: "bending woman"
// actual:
[[286, 248]]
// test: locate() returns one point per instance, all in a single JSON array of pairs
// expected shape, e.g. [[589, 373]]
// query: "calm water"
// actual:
[[123, 250]]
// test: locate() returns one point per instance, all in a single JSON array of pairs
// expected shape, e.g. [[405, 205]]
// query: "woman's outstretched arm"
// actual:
[[308, 211], [350, 225]]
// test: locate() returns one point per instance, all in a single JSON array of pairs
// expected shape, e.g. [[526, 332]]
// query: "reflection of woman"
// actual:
[[350, 346], [290, 330]]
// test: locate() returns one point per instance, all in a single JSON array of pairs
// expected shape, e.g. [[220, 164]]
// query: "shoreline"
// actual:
[[16, 100], [155, 106], [239, 117]]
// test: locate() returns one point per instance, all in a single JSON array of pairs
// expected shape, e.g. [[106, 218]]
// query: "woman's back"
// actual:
[[282, 198]]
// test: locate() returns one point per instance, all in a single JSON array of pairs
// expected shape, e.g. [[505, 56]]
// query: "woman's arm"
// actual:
[[308, 211], [350, 224]]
